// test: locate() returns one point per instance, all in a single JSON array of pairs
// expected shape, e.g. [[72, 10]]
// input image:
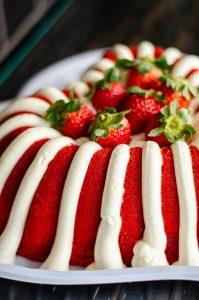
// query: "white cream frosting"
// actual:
[[92, 76], [21, 121], [122, 51], [107, 252], [185, 65], [145, 49], [172, 54], [150, 251], [139, 137], [31, 104], [104, 64], [13, 232], [79, 87], [188, 242], [80, 141], [60, 254], [194, 79], [134, 144], [18, 147], [52, 94]]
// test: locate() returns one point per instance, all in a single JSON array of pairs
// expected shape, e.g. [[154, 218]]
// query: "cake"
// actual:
[[110, 198]]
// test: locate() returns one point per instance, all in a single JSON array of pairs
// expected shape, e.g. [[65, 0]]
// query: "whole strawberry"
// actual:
[[108, 92], [170, 125], [143, 104], [144, 72], [72, 119], [110, 128], [177, 88]]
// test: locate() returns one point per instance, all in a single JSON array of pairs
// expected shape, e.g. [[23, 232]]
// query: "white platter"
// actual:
[[62, 72], [59, 74]]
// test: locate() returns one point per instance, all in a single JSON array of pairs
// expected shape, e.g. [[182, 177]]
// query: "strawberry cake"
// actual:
[[104, 174]]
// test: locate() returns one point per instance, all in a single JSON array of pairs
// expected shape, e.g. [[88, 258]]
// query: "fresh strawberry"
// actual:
[[133, 50], [69, 93], [159, 51], [146, 80], [144, 72], [108, 92], [110, 128], [170, 125], [72, 119], [177, 88], [110, 54], [143, 104]]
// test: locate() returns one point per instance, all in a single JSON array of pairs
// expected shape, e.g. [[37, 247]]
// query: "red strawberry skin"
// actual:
[[159, 51], [109, 98], [78, 122], [160, 139], [5, 142], [146, 80], [11, 186], [170, 205], [171, 96], [116, 136], [141, 110], [110, 55]]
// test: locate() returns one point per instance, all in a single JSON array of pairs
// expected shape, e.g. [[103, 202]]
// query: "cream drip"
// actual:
[[60, 254], [52, 94], [150, 251], [172, 54], [188, 242], [104, 64], [107, 252], [18, 147], [13, 232], [123, 51], [92, 76], [145, 49], [21, 121], [79, 87], [31, 104], [194, 79], [185, 65]]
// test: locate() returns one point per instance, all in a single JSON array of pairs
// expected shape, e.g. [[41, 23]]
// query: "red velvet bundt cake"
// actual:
[[125, 192]]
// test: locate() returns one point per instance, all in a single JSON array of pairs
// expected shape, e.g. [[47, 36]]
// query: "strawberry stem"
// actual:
[[175, 124], [179, 85], [104, 121], [57, 112]]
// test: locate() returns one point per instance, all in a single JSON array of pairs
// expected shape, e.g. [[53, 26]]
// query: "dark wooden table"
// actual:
[[92, 24]]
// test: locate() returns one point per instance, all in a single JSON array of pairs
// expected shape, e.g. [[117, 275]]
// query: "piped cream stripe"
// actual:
[[188, 243], [92, 76], [12, 235], [150, 251], [104, 64], [194, 79], [60, 254], [172, 54], [145, 49], [185, 65], [79, 87], [31, 104], [52, 94], [107, 251], [19, 146], [21, 121], [123, 51]]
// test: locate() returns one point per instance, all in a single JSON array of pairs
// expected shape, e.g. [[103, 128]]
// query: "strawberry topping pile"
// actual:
[[135, 96]]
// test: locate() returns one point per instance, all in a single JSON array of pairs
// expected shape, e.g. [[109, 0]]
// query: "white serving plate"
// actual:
[[59, 74], [62, 72]]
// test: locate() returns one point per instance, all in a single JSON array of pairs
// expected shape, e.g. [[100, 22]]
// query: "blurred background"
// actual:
[[36, 33]]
